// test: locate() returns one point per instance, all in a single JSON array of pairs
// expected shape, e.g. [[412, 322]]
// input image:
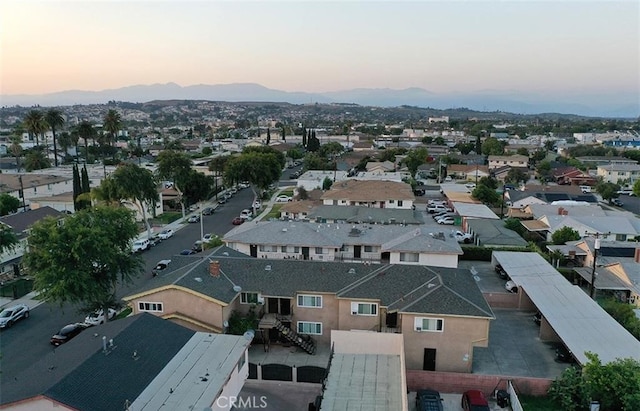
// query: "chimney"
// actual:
[[636, 256], [562, 211], [214, 268]]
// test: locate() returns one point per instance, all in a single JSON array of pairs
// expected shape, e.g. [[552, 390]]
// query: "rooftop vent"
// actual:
[[237, 288], [284, 230], [198, 279], [214, 268], [267, 268], [352, 270], [354, 232]]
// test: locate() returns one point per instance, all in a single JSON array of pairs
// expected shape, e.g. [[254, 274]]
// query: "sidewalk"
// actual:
[[28, 299]]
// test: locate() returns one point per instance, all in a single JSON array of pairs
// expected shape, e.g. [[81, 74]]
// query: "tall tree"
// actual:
[[8, 204], [16, 150], [86, 132], [77, 190], [284, 133], [268, 136], [8, 239], [36, 159], [492, 146], [304, 136], [416, 158], [84, 259], [55, 120], [175, 167], [34, 124], [112, 124], [478, 148], [139, 186]]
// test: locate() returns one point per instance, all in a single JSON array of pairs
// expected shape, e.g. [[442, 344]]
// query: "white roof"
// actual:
[[578, 320], [359, 382], [195, 377], [474, 210]]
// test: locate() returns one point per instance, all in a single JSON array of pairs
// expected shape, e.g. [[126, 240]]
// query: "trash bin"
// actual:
[[502, 398]]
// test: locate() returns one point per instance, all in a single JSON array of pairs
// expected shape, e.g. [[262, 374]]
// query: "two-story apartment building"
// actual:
[[614, 173], [397, 244], [511, 161], [440, 311], [377, 194]]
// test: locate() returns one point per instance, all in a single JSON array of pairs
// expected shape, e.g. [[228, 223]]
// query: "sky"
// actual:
[[569, 47]]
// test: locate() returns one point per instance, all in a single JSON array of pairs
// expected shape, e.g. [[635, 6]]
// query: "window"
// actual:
[[151, 307], [344, 247], [318, 250], [400, 203], [429, 324], [283, 248], [296, 250], [392, 201], [310, 301], [364, 309], [305, 327], [249, 298], [261, 248], [409, 257], [368, 249]]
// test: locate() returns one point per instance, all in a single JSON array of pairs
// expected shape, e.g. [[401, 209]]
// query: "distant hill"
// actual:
[[618, 105]]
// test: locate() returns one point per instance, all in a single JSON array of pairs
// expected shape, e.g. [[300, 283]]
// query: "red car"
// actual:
[[474, 400], [237, 221]]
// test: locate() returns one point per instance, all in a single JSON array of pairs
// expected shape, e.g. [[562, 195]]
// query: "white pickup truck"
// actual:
[[463, 237]]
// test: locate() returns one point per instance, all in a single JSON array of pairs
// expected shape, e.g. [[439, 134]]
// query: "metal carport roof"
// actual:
[[579, 321]]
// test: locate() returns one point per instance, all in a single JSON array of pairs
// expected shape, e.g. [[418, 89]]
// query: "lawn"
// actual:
[[274, 213], [124, 313], [538, 403], [168, 217]]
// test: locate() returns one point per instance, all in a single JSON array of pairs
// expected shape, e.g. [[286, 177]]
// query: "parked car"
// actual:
[[193, 207], [432, 202], [432, 208], [428, 400], [154, 240], [418, 192], [237, 221], [616, 202], [283, 199], [257, 205], [470, 186], [97, 317], [223, 200], [207, 237], [166, 234], [187, 251], [140, 245], [511, 286], [563, 354], [537, 318], [207, 211], [461, 237], [67, 332], [501, 272], [442, 214], [246, 214], [194, 219], [446, 220], [474, 400], [162, 264], [12, 314]]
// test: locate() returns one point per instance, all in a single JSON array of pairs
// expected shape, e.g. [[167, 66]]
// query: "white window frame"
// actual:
[[355, 309], [245, 300], [367, 248], [154, 307], [403, 257], [319, 250], [300, 328], [317, 299], [435, 325]]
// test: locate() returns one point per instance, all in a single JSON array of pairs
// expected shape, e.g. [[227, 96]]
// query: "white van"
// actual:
[[140, 245], [585, 189]]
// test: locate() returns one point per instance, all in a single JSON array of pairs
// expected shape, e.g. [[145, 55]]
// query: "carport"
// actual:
[[567, 311]]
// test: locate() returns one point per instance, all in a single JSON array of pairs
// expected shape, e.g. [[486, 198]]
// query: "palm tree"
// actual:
[[86, 131], [34, 124], [16, 149], [112, 123], [55, 120]]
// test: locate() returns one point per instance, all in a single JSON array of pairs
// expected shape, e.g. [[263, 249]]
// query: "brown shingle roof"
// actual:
[[368, 191]]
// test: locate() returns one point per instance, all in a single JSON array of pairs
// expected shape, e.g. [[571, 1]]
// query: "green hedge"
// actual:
[[476, 253]]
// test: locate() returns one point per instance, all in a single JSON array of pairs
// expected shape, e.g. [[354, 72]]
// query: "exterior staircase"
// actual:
[[306, 343]]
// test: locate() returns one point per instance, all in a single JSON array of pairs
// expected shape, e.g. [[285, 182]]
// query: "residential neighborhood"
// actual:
[[239, 254]]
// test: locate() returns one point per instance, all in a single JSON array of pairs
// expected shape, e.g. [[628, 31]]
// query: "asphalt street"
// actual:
[[28, 340]]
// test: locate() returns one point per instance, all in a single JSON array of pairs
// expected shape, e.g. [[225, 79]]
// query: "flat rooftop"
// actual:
[[364, 382]]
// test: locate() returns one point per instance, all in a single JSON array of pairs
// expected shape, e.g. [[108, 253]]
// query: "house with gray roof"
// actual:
[[364, 215], [138, 363], [493, 233], [398, 244], [438, 308]]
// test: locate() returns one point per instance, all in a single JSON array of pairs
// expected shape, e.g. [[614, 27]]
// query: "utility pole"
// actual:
[[24, 205], [596, 247]]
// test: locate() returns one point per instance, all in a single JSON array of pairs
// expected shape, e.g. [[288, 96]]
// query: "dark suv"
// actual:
[[428, 400]]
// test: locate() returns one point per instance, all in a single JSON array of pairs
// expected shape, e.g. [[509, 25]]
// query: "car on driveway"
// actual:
[[283, 199], [166, 234], [97, 317], [474, 400], [465, 238], [194, 219], [237, 221], [12, 314], [245, 214], [67, 332], [428, 400], [470, 186]]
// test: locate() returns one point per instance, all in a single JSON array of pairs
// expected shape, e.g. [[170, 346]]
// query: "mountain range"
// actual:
[[612, 105]]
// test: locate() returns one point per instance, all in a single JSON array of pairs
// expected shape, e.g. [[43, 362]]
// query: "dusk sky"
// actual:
[[317, 46]]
